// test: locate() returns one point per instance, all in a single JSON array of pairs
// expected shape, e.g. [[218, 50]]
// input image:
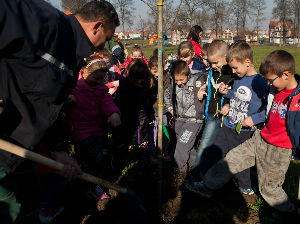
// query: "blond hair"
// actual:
[[217, 48], [185, 49]]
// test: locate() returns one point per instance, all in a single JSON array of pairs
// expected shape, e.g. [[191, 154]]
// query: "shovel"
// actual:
[[133, 202]]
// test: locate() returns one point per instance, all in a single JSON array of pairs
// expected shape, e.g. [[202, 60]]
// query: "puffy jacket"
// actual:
[[125, 64], [187, 104], [197, 47], [293, 116], [85, 116]]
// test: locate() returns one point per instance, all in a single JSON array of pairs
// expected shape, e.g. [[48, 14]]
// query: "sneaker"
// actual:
[[95, 193], [198, 188], [47, 215], [248, 191]]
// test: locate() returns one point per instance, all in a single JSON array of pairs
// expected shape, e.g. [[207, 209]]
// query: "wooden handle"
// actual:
[[26, 154]]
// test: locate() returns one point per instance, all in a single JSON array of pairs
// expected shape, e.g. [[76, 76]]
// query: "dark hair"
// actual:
[[155, 52], [99, 10], [194, 33], [153, 62], [137, 48], [139, 73], [277, 62], [180, 67]]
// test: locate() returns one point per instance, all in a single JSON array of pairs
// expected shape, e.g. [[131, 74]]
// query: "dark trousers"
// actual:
[[226, 140], [90, 153]]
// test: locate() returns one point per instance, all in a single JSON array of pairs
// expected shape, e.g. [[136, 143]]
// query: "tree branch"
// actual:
[[149, 6]]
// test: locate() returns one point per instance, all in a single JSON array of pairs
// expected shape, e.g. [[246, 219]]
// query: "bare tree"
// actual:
[[217, 8], [296, 12], [258, 7], [235, 9], [188, 12], [72, 5], [282, 11], [245, 10], [142, 26]]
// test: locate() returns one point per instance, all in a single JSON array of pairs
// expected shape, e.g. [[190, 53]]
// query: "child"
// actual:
[[270, 148], [90, 102], [194, 37], [184, 101], [113, 75], [220, 72], [153, 129], [133, 98], [186, 53], [136, 53], [204, 55], [248, 101]]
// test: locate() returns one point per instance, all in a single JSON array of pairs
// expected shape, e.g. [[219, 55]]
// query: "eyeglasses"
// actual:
[[271, 81]]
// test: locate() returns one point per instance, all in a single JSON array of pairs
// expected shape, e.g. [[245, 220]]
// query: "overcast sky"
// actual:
[[143, 10]]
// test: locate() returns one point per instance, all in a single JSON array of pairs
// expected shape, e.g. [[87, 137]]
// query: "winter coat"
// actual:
[[85, 116], [197, 47], [137, 112], [187, 103]]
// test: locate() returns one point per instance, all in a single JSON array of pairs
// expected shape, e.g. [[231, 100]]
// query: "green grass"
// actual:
[[259, 52]]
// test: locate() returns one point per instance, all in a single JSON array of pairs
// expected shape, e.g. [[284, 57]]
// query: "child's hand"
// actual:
[[114, 120], [71, 99], [115, 83], [202, 92], [223, 89], [111, 91], [247, 122], [225, 110]]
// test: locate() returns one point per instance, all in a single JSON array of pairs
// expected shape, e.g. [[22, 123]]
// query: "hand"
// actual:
[[225, 110], [202, 92], [172, 112], [223, 89], [71, 169], [247, 122], [111, 91], [71, 99], [116, 83], [114, 119]]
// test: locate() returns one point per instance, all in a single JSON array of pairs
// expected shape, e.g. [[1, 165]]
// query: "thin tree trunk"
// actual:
[[160, 98]]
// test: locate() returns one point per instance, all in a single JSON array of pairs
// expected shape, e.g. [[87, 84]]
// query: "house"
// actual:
[[276, 29]]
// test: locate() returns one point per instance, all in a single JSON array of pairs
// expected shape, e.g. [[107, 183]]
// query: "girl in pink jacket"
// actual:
[[90, 106]]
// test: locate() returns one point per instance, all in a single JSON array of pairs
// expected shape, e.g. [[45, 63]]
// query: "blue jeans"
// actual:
[[209, 134]]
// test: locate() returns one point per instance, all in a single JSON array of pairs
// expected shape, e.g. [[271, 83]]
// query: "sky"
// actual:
[[143, 10]]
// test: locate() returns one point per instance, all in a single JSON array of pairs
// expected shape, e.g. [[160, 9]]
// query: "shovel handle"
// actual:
[[26, 154]]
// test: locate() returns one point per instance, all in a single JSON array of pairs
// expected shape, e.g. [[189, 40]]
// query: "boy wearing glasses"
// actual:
[[271, 148]]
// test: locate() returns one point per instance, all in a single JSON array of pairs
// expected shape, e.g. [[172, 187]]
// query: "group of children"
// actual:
[[216, 103]]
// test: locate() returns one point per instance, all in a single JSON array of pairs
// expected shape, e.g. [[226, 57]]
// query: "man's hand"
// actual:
[[71, 169], [247, 122], [114, 119], [225, 110], [202, 92], [223, 89]]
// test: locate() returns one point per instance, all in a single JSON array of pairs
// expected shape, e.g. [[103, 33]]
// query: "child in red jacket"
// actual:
[[90, 103], [136, 53]]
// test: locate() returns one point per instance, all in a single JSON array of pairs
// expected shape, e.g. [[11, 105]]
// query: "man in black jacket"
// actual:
[[41, 52]]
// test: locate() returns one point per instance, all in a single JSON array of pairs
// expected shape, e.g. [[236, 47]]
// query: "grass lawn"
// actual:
[[260, 52]]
